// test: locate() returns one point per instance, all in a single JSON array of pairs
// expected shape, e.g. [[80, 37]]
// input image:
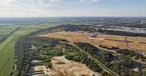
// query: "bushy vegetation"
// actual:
[[121, 64], [131, 53], [109, 48], [36, 48], [75, 55]]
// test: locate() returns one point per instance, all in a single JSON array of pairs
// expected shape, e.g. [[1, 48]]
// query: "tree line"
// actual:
[[5, 37]]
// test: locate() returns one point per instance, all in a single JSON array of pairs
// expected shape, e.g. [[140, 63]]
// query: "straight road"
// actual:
[[92, 58]]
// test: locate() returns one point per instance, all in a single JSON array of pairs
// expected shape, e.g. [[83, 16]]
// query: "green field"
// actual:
[[5, 30], [7, 47]]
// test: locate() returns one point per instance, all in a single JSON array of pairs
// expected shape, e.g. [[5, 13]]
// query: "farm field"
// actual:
[[5, 30], [102, 39], [7, 47]]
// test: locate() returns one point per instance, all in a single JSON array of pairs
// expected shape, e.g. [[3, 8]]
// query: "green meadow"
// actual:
[[7, 47], [6, 29]]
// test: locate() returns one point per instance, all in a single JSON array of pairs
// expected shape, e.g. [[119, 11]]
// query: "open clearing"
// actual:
[[106, 40], [63, 67]]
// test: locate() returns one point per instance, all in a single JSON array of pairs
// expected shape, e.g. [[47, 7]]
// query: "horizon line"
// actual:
[[68, 16]]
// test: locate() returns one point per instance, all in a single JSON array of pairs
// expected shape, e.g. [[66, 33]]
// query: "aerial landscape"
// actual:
[[72, 38]]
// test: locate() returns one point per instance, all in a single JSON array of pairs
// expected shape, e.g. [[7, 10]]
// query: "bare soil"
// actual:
[[63, 67]]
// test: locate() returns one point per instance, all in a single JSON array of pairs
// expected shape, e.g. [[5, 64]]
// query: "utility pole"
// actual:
[[126, 41]]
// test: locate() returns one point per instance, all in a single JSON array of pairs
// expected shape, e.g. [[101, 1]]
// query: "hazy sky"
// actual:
[[39, 8]]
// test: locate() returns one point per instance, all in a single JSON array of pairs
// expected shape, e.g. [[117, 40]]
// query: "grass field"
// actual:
[[7, 47], [5, 30], [106, 40]]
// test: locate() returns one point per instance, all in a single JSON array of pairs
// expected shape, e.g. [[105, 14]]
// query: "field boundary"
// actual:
[[5, 37]]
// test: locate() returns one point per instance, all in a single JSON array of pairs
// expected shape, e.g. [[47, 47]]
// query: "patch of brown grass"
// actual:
[[101, 39]]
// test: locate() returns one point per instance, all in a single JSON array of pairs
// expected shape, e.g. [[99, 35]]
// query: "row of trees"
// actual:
[[6, 36], [22, 55], [93, 28], [109, 48], [86, 28]]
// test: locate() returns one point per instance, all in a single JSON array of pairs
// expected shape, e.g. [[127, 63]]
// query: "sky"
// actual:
[[72, 8]]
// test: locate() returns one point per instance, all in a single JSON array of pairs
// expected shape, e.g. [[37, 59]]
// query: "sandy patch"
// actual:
[[63, 67]]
